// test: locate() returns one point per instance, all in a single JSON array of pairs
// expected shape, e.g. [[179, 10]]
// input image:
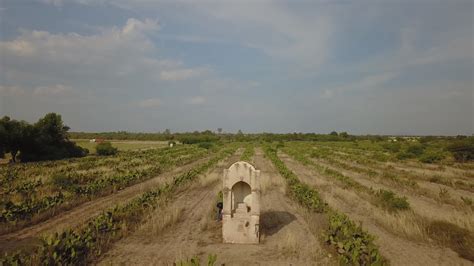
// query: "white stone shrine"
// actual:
[[241, 200]]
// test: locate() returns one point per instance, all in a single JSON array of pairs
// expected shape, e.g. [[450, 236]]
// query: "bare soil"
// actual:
[[397, 249], [424, 204], [29, 236], [286, 237]]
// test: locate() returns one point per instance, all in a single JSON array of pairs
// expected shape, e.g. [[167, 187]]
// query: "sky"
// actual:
[[365, 66]]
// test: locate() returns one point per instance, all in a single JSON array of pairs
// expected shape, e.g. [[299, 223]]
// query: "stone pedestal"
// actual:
[[241, 212]]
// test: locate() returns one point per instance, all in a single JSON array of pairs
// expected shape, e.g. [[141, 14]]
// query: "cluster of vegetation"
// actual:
[[383, 198], [391, 201], [463, 149], [105, 148], [358, 157], [248, 152], [47, 139], [22, 196], [78, 246], [352, 243]]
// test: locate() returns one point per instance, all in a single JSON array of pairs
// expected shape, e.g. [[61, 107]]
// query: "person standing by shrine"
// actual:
[[219, 206]]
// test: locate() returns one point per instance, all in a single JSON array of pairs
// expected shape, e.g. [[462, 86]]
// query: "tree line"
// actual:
[[47, 139]]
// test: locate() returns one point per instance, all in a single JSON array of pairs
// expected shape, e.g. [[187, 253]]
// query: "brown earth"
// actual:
[[428, 207], [29, 236], [397, 249], [286, 237]]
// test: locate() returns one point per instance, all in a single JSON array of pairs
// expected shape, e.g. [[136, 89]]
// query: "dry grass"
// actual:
[[164, 216], [460, 240], [289, 246]]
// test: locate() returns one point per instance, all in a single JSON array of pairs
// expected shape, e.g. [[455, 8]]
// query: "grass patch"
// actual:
[[458, 239], [389, 200]]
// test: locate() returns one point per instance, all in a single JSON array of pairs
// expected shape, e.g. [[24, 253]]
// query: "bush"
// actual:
[[415, 149], [64, 182], [392, 147], [205, 145], [105, 148], [462, 151], [431, 157], [392, 202]]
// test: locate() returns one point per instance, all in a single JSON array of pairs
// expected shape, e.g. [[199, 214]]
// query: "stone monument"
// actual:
[[241, 199]]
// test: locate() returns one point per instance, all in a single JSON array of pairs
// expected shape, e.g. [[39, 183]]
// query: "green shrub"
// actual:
[[105, 148], [415, 149], [462, 151], [205, 145], [62, 181], [354, 245], [393, 147], [392, 202], [431, 157]]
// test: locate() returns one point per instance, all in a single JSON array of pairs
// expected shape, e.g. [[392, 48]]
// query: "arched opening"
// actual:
[[241, 197]]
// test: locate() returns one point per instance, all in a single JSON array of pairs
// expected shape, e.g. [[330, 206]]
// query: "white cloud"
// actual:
[[112, 58], [135, 25], [56, 90], [182, 74], [57, 3], [150, 103], [12, 90], [197, 100], [365, 84]]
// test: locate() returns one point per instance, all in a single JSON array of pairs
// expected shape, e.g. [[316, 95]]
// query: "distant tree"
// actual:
[[344, 135], [462, 150], [45, 140], [13, 132], [167, 131], [3, 137], [240, 132], [105, 148], [333, 133], [219, 130]]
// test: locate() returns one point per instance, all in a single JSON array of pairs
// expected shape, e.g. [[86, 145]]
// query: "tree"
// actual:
[[462, 150], [333, 133], [13, 134], [344, 135], [219, 130], [105, 148], [167, 131], [47, 139]]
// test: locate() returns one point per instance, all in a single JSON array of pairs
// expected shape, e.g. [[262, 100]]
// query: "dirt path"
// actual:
[[286, 237], [29, 236], [397, 249]]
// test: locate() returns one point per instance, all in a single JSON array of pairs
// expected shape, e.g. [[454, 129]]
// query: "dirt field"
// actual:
[[286, 239], [397, 249], [183, 225], [29, 236]]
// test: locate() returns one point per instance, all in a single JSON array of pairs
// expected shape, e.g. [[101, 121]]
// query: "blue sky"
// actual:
[[366, 67]]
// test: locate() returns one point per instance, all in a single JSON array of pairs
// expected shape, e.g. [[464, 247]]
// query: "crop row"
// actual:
[[70, 184], [351, 242], [398, 176], [77, 246], [248, 152], [383, 198], [444, 233]]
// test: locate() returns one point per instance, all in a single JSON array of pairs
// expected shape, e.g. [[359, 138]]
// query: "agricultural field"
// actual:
[[122, 145], [355, 202]]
